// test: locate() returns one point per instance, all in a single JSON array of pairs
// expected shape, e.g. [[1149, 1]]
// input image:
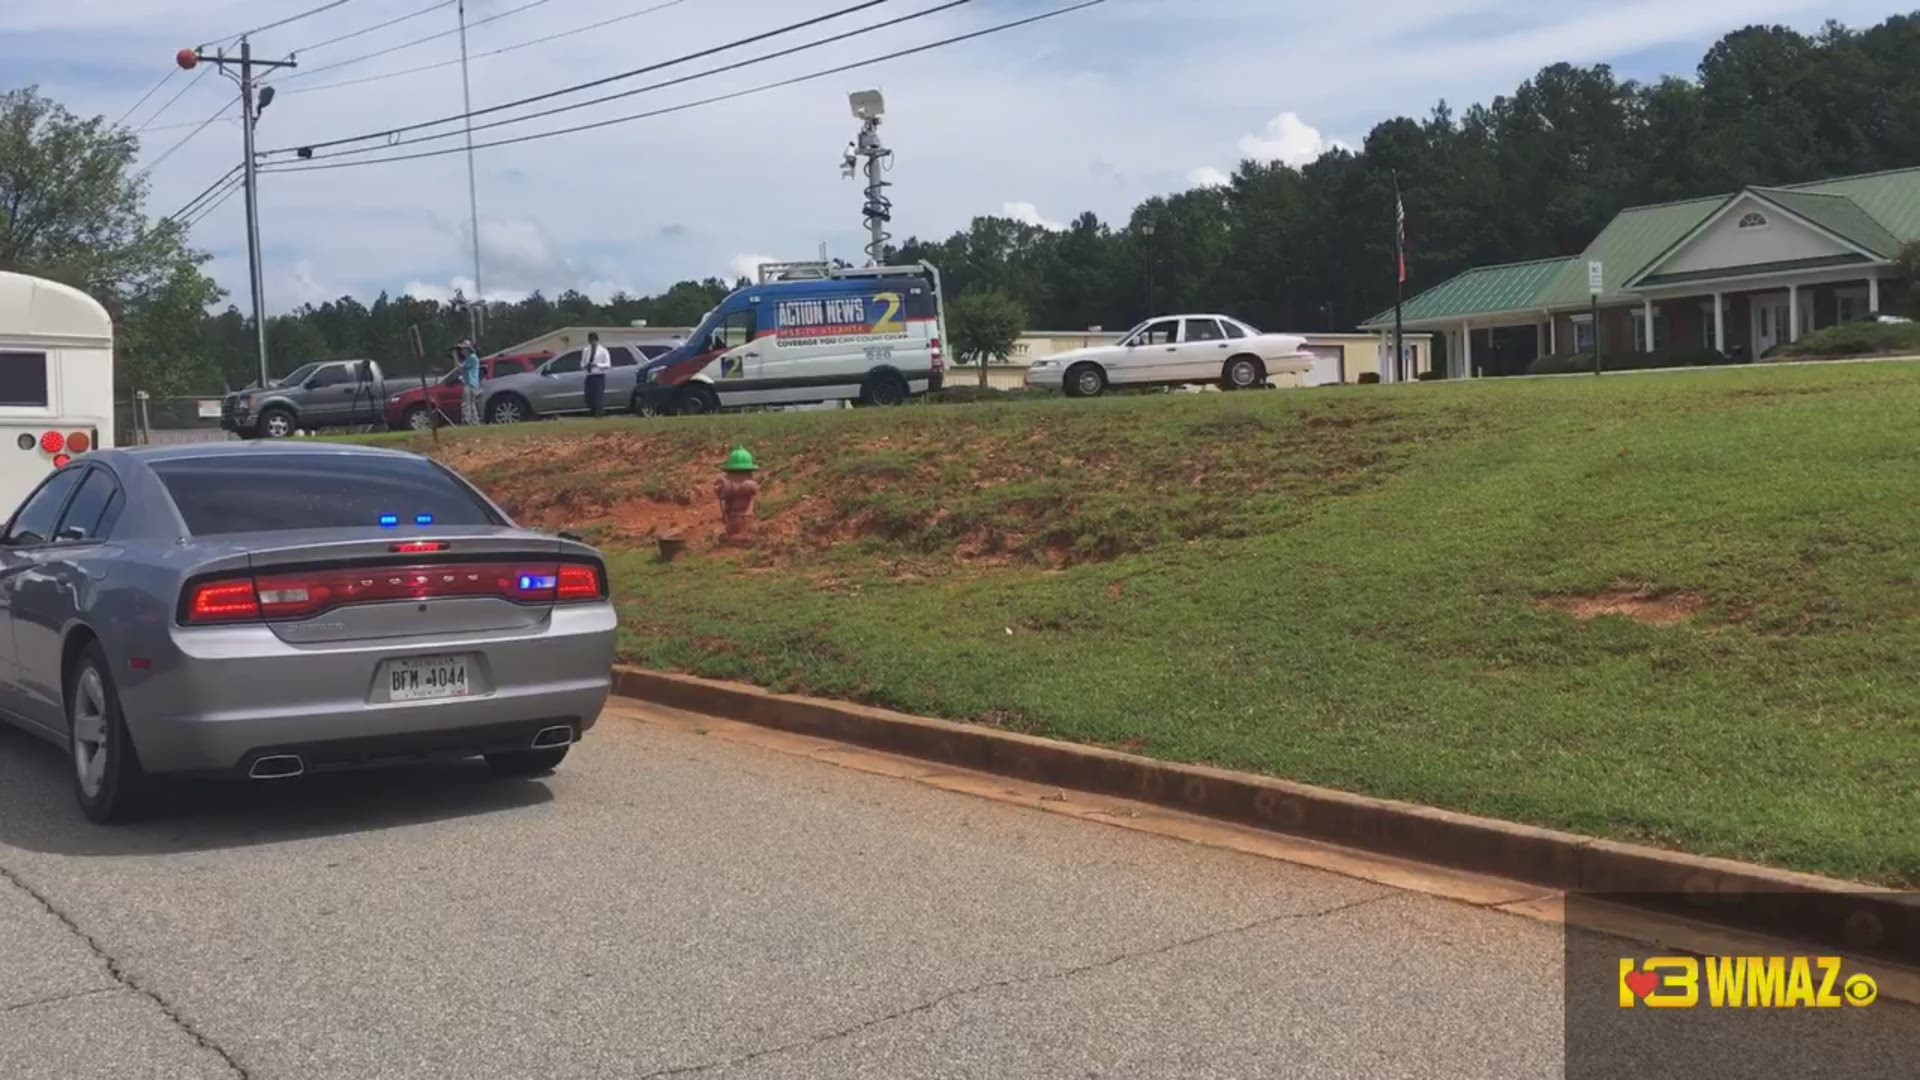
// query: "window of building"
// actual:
[[1583, 333], [1753, 219]]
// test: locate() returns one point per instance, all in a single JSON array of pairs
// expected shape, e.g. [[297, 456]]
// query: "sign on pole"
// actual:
[[1596, 277]]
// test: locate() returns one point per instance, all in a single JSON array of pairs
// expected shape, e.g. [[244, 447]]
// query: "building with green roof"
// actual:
[[1739, 273]]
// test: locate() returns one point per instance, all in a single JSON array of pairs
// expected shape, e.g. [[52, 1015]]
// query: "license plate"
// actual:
[[427, 678]]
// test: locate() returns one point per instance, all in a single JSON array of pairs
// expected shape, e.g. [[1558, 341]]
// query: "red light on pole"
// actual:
[[187, 59]]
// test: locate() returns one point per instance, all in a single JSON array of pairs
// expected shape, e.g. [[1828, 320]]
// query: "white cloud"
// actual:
[[1208, 176], [748, 266], [1028, 213], [1288, 140]]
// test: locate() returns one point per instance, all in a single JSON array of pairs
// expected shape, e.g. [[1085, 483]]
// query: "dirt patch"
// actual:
[[1642, 605]]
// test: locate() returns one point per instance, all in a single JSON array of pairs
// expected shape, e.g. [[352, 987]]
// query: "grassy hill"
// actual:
[[1681, 609]]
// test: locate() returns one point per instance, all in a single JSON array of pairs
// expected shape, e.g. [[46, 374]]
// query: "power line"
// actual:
[[376, 26], [275, 25], [185, 124], [390, 132], [188, 137], [783, 83], [194, 202], [303, 73], [135, 107], [490, 52], [183, 92], [214, 205], [750, 62]]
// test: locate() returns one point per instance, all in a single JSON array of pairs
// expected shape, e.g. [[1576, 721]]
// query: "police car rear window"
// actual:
[[232, 493]]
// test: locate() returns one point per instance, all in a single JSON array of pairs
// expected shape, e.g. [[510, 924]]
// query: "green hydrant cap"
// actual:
[[740, 461]]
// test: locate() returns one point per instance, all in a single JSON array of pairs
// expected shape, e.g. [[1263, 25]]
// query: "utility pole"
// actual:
[[188, 59], [473, 191], [869, 107], [1147, 229]]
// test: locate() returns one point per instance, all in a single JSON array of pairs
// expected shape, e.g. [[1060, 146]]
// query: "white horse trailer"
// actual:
[[56, 380]]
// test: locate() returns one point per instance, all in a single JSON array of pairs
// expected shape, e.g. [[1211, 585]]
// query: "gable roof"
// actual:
[[1892, 198], [1479, 291], [1838, 215], [1632, 240]]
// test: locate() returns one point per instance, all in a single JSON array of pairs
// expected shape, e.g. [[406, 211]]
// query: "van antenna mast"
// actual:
[[869, 107]]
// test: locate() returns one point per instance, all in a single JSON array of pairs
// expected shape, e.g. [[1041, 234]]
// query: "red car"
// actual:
[[410, 408]]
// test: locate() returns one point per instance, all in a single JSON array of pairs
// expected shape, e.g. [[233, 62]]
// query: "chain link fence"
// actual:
[[143, 421]]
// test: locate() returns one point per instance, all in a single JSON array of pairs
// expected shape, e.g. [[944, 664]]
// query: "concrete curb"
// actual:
[[1803, 907]]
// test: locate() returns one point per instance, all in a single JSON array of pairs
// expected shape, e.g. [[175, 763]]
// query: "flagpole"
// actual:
[[1399, 279]]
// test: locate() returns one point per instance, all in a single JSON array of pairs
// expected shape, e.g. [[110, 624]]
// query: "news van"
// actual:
[[807, 333], [56, 380]]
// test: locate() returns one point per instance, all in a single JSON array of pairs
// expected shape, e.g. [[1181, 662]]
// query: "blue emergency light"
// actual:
[[423, 519], [389, 521], [537, 582]]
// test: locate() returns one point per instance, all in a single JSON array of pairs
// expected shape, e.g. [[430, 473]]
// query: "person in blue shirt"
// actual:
[[469, 382]]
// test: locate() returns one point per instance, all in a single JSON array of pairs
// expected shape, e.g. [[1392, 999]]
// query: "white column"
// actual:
[[1539, 339], [1466, 349], [1720, 322], [1873, 292], [1553, 335], [1648, 319], [1793, 313]]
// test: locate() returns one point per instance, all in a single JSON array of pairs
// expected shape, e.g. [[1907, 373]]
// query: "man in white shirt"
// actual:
[[598, 361]]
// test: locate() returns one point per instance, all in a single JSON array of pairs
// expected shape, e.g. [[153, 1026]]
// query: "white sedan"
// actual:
[[1176, 350]]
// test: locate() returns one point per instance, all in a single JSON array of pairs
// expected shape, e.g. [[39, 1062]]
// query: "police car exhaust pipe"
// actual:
[[277, 767], [557, 735]]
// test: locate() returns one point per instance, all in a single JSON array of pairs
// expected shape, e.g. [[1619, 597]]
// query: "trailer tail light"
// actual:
[[79, 442], [61, 461], [306, 594], [53, 442]]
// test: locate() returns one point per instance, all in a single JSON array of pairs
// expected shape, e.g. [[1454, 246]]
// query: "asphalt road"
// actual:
[[671, 904]]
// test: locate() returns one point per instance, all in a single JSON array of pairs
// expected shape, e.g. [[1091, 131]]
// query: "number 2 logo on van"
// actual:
[[889, 322]]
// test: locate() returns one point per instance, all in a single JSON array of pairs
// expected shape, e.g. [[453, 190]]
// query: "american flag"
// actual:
[[1400, 232]]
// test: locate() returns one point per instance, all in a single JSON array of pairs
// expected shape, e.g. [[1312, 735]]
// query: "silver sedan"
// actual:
[[265, 610], [559, 386]]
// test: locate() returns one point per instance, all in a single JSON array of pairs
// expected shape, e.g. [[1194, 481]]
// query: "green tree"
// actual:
[[160, 345], [70, 210], [985, 326]]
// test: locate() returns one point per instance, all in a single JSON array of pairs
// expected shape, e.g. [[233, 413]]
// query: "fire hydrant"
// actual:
[[737, 489]]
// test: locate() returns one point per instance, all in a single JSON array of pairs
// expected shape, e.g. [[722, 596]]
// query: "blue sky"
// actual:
[[1092, 111]]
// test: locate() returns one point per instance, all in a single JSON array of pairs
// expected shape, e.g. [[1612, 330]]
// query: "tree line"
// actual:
[[1530, 174]]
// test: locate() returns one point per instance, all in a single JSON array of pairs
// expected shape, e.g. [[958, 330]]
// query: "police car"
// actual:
[[807, 333]]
